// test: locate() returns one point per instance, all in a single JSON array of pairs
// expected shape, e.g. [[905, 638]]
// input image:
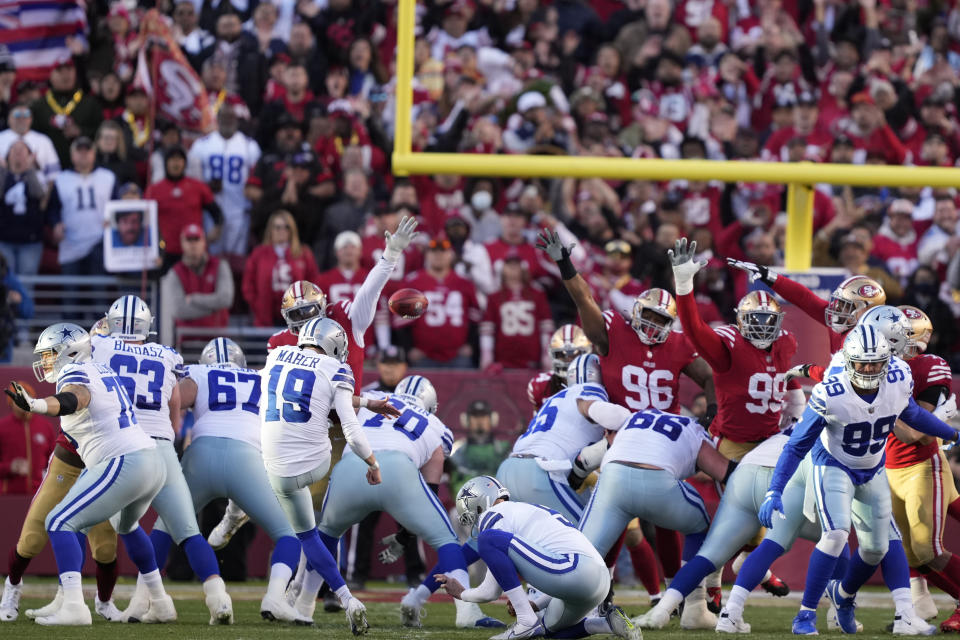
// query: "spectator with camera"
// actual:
[[22, 216]]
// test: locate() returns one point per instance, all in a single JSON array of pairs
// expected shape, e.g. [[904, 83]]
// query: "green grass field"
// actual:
[[770, 618]]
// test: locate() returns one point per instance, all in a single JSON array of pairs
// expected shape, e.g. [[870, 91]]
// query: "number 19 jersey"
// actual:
[[297, 388], [663, 440], [227, 403], [559, 430], [416, 433], [149, 372]]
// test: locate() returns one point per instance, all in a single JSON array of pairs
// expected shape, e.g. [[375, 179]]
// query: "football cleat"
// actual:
[[107, 610], [805, 623], [470, 616], [68, 615], [714, 599], [730, 624], [357, 617], [161, 610], [48, 609], [516, 632], [139, 604], [844, 606], [10, 601], [221, 608], [833, 624], [656, 618], [410, 616], [277, 610], [621, 626], [775, 586], [951, 624], [695, 613], [915, 626], [922, 600], [226, 529]]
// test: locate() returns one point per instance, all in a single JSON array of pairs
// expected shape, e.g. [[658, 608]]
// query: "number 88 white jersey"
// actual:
[[416, 433], [228, 160]]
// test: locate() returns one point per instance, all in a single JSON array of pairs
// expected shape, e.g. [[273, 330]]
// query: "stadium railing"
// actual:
[[189, 341]]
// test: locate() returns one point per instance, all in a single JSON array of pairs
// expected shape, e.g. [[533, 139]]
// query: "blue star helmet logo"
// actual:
[[66, 333], [893, 316]]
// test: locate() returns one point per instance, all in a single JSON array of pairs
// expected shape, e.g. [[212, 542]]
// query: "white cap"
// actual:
[[530, 100], [347, 237]]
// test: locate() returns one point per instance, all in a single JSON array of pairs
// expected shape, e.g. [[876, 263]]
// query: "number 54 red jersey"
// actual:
[[640, 376]]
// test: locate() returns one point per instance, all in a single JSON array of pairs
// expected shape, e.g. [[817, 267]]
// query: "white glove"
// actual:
[[401, 239], [26, 402], [393, 552], [590, 457], [684, 266], [754, 272], [798, 371], [947, 409]]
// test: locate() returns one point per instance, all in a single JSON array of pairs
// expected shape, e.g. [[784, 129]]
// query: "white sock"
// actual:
[[767, 576], [214, 585], [72, 589], [713, 580], [736, 601], [738, 562], [344, 594], [803, 608], [461, 576], [466, 610], [153, 583], [594, 626], [903, 602], [670, 600], [525, 615], [279, 577], [312, 581], [420, 595], [233, 512]]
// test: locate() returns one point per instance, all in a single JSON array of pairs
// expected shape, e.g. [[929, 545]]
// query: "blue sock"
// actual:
[[162, 542], [578, 630], [67, 550], [470, 554], [450, 558], [140, 549], [691, 544], [858, 572], [819, 571], [287, 551], [82, 539], [896, 571], [320, 558], [201, 557], [842, 561], [492, 546], [690, 575], [756, 565], [330, 543]]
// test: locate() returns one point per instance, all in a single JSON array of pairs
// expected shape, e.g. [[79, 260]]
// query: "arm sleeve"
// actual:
[[795, 293], [214, 210], [804, 436], [486, 591], [343, 403], [706, 341], [364, 305], [925, 422], [608, 415]]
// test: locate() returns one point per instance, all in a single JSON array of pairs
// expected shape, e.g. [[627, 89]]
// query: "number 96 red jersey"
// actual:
[[640, 376]]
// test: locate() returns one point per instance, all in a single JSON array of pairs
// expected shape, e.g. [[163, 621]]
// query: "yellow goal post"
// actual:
[[799, 177]]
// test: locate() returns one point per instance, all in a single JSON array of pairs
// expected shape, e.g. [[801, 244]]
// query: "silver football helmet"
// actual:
[[476, 496], [584, 369], [893, 324], [326, 334], [223, 351], [129, 318], [866, 346], [59, 345], [420, 388]]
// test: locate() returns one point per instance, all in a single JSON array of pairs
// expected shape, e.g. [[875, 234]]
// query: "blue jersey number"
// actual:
[[664, 424], [296, 392], [223, 392], [833, 386], [234, 169], [410, 423], [547, 415], [861, 438], [116, 384], [154, 372]]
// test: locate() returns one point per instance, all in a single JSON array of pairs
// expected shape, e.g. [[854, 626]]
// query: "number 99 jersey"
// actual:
[[107, 427], [227, 403], [149, 372], [416, 433], [856, 430], [298, 388], [663, 440]]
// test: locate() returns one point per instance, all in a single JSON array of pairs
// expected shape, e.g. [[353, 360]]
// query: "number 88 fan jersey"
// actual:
[[645, 358]]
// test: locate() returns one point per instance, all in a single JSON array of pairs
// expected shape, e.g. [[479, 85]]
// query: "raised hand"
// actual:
[[684, 265], [401, 238], [549, 241], [754, 272]]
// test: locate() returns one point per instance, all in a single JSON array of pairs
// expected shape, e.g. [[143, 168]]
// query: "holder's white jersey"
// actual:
[[856, 429], [107, 427], [663, 440], [297, 389], [539, 526], [559, 431], [416, 433], [228, 402], [149, 373]]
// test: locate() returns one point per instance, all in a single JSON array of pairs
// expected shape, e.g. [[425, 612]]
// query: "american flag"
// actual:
[[36, 32]]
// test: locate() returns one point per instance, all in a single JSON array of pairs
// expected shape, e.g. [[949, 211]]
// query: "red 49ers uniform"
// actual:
[[342, 286], [517, 319], [921, 484], [542, 386], [445, 325], [340, 312], [810, 303], [640, 376]]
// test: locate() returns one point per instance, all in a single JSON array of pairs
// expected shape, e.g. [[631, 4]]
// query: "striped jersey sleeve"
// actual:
[[343, 377], [72, 374], [488, 520]]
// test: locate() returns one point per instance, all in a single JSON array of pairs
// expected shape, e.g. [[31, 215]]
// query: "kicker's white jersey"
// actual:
[[227, 403], [82, 200], [663, 440], [228, 160], [539, 526], [767, 452], [558, 430], [416, 433], [149, 372], [297, 389], [107, 427], [856, 429]]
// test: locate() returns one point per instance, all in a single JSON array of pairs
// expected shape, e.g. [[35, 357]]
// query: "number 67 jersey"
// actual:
[[227, 403]]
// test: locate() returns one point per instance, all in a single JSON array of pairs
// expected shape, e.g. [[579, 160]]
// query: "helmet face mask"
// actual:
[[59, 345], [45, 368], [921, 329], [476, 496], [566, 343], [759, 318], [653, 314], [866, 355], [850, 299], [302, 302]]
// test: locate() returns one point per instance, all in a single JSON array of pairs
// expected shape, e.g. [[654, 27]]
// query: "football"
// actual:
[[408, 303]]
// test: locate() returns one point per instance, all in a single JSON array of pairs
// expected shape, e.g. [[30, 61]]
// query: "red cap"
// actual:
[[193, 231], [861, 97]]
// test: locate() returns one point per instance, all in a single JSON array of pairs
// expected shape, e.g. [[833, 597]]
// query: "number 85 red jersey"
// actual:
[[640, 376]]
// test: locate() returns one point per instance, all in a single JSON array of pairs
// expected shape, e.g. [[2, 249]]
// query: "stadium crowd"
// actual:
[[293, 180]]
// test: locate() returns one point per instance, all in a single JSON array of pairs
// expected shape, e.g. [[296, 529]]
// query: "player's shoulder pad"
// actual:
[[592, 391], [341, 374], [80, 373], [728, 333], [608, 318], [490, 518]]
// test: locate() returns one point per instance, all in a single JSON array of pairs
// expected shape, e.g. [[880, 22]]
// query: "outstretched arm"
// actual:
[[925, 422], [594, 325], [805, 434], [72, 398], [793, 292], [708, 343]]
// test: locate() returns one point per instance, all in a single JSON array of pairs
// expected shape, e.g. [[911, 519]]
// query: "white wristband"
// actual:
[[364, 402], [38, 405], [375, 465]]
